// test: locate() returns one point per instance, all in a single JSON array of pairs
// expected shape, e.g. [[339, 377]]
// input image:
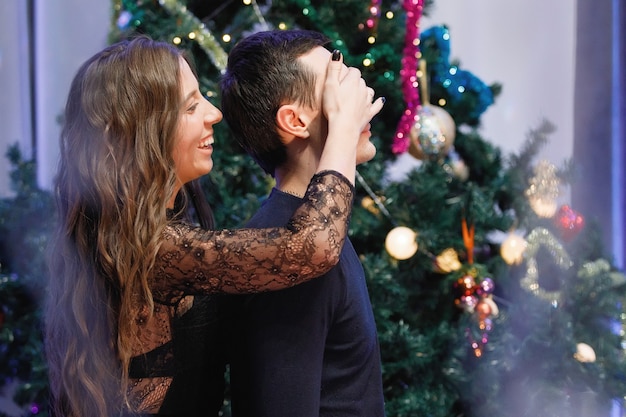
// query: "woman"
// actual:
[[124, 265]]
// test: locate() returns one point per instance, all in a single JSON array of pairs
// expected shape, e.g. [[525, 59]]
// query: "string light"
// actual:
[[203, 36], [371, 23]]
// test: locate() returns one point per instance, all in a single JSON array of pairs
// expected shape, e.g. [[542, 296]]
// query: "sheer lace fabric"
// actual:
[[192, 261]]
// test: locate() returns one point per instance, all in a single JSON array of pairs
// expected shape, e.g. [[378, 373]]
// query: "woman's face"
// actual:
[[193, 145]]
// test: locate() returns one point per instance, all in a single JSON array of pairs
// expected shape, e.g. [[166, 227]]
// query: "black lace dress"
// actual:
[[177, 367]]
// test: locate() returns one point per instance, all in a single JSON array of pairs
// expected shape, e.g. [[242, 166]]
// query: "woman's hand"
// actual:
[[346, 97], [348, 107]]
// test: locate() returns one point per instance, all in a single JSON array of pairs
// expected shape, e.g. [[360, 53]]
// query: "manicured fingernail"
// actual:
[[383, 99], [336, 55]]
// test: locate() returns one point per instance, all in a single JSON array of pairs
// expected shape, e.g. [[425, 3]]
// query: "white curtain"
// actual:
[[42, 43], [599, 119], [15, 96], [67, 32]]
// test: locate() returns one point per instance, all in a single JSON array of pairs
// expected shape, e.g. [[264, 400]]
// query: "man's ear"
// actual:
[[291, 120]]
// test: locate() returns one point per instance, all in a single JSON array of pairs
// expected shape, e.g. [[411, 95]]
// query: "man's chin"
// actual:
[[366, 155]]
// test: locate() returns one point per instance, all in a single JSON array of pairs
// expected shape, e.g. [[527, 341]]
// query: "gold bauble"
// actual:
[[401, 243], [512, 249], [447, 261], [543, 206], [584, 353]]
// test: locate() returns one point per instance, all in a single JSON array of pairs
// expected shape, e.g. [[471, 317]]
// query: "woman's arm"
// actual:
[[192, 260]]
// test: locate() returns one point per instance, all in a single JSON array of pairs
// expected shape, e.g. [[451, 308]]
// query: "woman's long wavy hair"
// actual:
[[114, 179]]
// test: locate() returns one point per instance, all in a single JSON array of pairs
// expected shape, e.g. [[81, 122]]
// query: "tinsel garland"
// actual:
[[199, 32], [408, 74], [204, 37], [537, 238]]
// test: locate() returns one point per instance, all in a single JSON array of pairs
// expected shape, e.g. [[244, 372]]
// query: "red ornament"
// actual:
[[569, 222], [483, 310]]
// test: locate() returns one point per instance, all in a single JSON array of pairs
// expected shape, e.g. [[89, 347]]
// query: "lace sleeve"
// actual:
[[192, 260]]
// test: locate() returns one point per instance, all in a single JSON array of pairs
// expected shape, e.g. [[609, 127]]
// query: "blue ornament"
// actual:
[[465, 95]]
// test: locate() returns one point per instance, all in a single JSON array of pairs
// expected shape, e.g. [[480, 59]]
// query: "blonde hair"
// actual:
[[114, 179]]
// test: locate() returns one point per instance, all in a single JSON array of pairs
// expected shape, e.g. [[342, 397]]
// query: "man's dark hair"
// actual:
[[263, 73]]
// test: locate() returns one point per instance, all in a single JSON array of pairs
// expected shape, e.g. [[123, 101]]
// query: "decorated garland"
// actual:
[[408, 74]]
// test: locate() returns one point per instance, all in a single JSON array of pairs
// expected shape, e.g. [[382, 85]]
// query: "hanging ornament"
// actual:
[[537, 238], [485, 287], [447, 261], [433, 131], [368, 204], [401, 243], [469, 290], [569, 222], [543, 190], [512, 249], [432, 134], [483, 310], [542, 207], [584, 353], [475, 296], [495, 310]]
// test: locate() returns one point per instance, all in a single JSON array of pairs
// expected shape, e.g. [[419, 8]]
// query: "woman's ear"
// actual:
[[292, 121]]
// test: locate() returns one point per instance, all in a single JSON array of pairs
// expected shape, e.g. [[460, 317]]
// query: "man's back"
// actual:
[[311, 350]]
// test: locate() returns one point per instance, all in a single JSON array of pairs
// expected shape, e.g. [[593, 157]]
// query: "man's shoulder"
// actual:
[[275, 211]]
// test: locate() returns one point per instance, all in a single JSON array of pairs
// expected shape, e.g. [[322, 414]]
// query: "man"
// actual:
[[311, 350]]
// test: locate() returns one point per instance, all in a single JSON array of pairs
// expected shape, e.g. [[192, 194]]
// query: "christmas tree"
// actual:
[[25, 225], [490, 299]]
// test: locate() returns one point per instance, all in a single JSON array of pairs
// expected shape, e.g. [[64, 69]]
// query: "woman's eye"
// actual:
[[193, 108]]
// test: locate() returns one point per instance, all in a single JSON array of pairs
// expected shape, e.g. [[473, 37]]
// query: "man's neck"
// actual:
[[294, 178]]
